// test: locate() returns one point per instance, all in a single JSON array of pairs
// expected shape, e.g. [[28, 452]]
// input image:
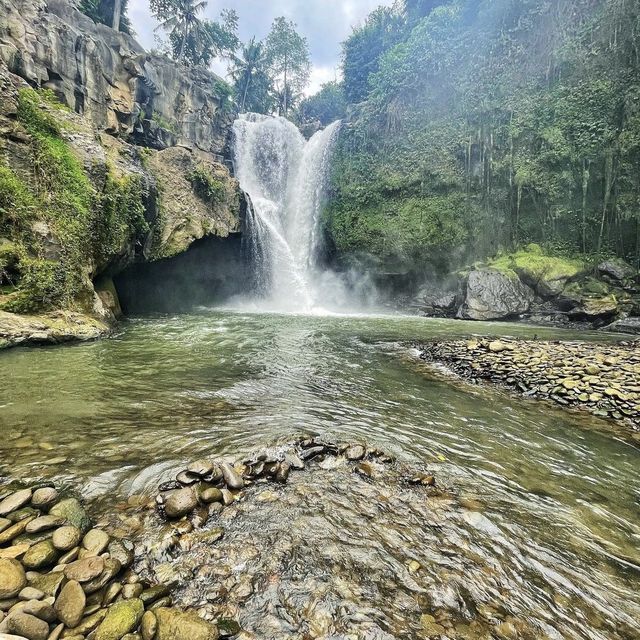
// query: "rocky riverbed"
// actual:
[[601, 378]]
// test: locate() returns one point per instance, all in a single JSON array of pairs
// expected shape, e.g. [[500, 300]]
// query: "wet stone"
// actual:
[[200, 468], [14, 501], [122, 618], [231, 477], [12, 578], [85, 569], [66, 538], [180, 502], [70, 604], [40, 555], [24, 624], [95, 541], [210, 494], [73, 512], [44, 497], [356, 452], [44, 523]]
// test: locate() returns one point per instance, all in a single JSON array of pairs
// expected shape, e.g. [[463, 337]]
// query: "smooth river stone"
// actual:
[[41, 554], [12, 578], [28, 626], [180, 502], [96, 541], [355, 452], [73, 512], [200, 468], [44, 497], [66, 538], [231, 477], [43, 523], [70, 603], [85, 569], [15, 501]]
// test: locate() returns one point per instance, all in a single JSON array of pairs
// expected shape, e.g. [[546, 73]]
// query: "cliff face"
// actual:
[[108, 156], [107, 76]]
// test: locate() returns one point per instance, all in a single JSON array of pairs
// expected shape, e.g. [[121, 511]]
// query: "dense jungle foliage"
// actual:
[[476, 125]]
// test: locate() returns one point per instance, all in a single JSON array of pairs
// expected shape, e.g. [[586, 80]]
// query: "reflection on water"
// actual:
[[558, 535]]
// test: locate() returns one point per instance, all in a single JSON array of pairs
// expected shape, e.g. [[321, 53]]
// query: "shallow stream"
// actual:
[[541, 536]]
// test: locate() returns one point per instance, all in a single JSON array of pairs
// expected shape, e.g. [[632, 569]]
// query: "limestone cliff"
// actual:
[[108, 156]]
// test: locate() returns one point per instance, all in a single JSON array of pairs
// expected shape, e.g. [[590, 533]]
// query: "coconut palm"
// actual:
[[180, 19], [248, 74]]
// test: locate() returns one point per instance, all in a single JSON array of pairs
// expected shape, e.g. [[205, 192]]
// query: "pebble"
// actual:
[[356, 452], [231, 477], [24, 624], [85, 569], [12, 578], [96, 541], [44, 498], [43, 523], [180, 502], [70, 604], [41, 554]]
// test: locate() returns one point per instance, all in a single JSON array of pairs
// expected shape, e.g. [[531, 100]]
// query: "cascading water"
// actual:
[[285, 178]]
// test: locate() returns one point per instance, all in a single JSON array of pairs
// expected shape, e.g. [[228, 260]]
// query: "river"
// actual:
[[546, 529]]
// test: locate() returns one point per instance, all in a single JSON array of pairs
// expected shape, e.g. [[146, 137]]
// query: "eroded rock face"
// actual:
[[493, 295], [107, 76]]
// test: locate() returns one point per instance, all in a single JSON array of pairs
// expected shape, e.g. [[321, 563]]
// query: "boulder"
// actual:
[[72, 511], [629, 325], [178, 625], [494, 295], [180, 502], [617, 269], [596, 308]]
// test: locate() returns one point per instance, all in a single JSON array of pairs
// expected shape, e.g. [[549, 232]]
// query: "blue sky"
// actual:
[[325, 24]]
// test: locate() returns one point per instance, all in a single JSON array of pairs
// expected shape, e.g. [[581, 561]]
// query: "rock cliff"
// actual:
[[109, 156]]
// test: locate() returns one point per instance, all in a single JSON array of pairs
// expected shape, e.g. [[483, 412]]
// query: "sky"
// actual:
[[325, 24]]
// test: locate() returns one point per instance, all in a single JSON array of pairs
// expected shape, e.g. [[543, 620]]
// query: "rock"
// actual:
[[132, 590], [111, 569], [12, 578], [154, 593], [44, 498], [149, 625], [85, 569], [446, 303], [29, 593], [594, 308], [48, 583], [282, 473], [14, 530], [14, 501], [494, 295], [24, 624], [211, 494], [629, 325], [66, 538], [186, 479], [355, 452], [73, 512], [497, 346], [123, 551], [70, 604], [15, 551], [42, 554], [231, 477], [96, 541], [44, 523], [200, 468], [122, 617], [180, 502], [617, 269], [88, 624], [177, 625], [294, 461]]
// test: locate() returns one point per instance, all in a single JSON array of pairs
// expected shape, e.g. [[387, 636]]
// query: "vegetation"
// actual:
[[113, 13], [207, 186], [252, 83], [192, 40], [56, 220], [287, 57], [496, 123], [326, 106]]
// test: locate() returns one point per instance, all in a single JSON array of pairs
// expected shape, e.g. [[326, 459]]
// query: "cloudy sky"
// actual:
[[325, 24]]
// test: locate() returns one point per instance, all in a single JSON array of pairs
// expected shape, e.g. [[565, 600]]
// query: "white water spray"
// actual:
[[285, 178]]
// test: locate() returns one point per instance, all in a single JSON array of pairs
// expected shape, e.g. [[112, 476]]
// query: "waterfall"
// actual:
[[285, 177]]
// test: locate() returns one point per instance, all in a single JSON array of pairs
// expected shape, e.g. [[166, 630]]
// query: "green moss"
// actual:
[[163, 123], [206, 186], [17, 204], [533, 261], [122, 214]]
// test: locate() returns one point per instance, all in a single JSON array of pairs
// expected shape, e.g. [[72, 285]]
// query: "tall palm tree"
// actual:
[[245, 68], [185, 23]]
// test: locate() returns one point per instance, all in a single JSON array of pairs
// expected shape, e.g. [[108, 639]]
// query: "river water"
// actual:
[[542, 538]]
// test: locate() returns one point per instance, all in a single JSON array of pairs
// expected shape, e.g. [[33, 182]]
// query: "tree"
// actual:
[[191, 39], [327, 106], [251, 80], [287, 55], [363, 48], [113, 13]]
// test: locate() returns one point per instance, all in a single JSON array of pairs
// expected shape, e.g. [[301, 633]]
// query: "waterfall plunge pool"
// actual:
[[545, 544]]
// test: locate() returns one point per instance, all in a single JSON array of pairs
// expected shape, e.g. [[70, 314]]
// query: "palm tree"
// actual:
[[185, 24], [245, 68]]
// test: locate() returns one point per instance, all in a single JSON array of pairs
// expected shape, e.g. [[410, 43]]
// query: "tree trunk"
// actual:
[[586, 166], [608, 173], [286, 61], [117, 12], [244, 95]]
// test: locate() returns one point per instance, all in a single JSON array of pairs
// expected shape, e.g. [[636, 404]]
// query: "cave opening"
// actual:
[[210, 272]]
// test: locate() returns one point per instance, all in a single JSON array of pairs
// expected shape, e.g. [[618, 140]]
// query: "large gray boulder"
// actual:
[[629, 325], [495, 295]]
